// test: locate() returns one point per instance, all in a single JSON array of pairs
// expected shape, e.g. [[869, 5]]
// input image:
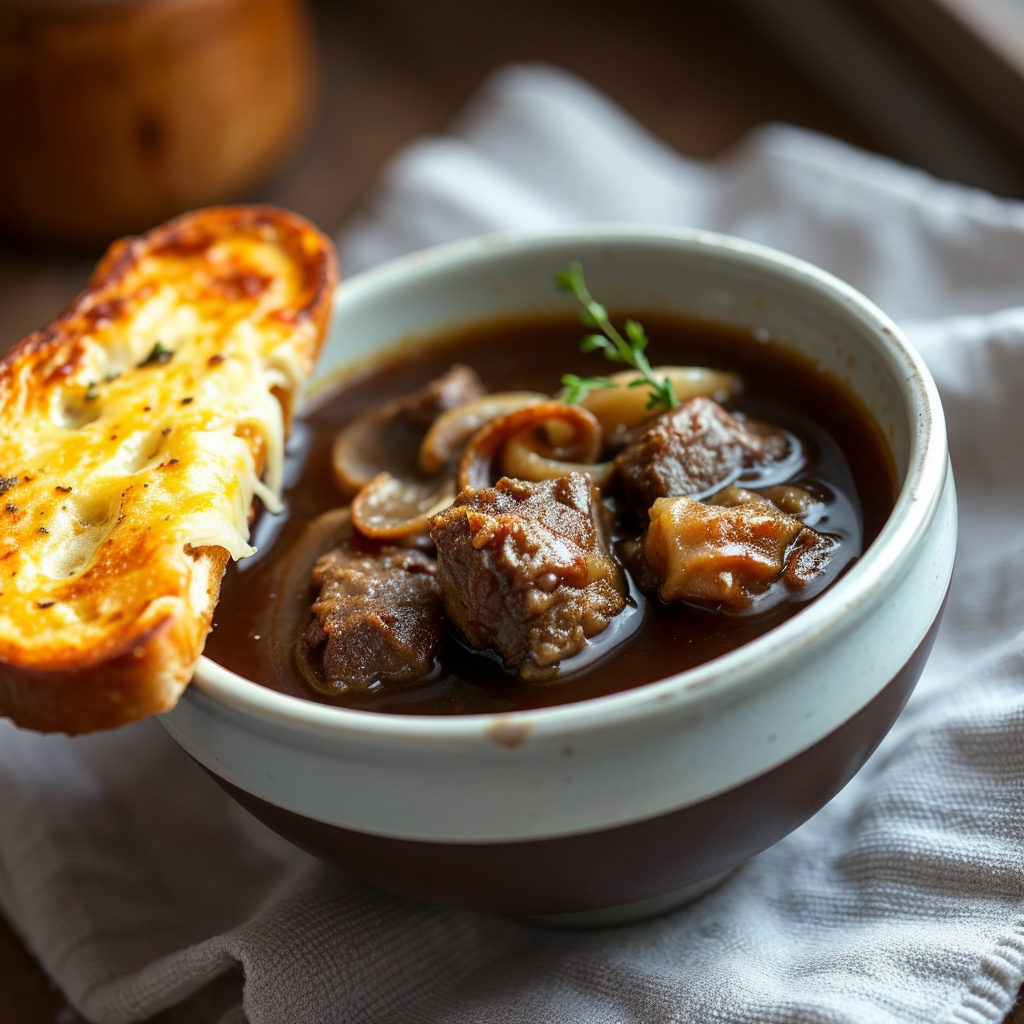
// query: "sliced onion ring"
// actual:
[[522, 460], [624, 407], [379, 440], [534, 457], [448, 434], [395, 511]]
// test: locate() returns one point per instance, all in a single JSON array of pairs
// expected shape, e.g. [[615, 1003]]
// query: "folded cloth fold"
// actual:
[[135, 881]]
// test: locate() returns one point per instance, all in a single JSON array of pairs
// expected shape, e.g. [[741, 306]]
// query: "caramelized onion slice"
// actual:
[[540, 442], [623, 407], [381, 440], [396, 511], [448, 434], [524, 459]]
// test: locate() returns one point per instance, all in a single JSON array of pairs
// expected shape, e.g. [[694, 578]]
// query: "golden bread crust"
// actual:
[[134, 433]]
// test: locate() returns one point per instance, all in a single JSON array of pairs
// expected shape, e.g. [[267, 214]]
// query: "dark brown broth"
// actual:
[[846, 457]]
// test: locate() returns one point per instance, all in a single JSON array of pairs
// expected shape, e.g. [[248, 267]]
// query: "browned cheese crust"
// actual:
[[135, 430]]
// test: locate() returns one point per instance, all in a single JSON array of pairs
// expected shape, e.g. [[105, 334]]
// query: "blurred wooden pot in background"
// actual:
[[116, 114]]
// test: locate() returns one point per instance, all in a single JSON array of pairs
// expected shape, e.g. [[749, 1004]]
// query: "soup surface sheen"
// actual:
[[846, 461]]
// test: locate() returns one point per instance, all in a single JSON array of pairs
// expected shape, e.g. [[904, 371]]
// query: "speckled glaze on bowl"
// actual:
[[621, 806]]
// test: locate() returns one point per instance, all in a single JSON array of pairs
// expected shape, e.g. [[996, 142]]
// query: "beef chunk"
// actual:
[[525, 570], [694, 451], [726, 554], [809, 551], [377, 618], [457, 387]]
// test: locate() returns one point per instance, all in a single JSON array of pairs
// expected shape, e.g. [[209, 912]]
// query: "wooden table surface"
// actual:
[[695, 74]]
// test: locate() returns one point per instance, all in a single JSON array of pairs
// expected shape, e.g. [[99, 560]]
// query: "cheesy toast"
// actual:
[[135, 431]]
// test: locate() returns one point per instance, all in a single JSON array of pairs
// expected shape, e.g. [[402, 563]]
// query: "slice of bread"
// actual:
[[135, 430]]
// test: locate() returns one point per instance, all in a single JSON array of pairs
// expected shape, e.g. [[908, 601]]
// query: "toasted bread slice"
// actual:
[[135, 430]]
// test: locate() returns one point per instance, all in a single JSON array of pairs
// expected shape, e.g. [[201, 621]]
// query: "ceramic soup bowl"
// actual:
[[621, 806]]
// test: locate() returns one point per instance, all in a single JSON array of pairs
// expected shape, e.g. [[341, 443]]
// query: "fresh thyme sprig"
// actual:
[[616, 348]]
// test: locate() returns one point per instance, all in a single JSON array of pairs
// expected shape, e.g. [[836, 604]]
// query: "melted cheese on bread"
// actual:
[[135, 432]]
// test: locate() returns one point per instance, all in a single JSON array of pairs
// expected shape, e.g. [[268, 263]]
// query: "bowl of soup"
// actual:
[[543, 632]]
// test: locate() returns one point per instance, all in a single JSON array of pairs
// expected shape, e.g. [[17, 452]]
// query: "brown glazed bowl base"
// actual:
[[632, 913], [620, 874]]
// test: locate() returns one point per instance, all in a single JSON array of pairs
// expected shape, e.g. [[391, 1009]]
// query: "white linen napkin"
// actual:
[[135, 881]]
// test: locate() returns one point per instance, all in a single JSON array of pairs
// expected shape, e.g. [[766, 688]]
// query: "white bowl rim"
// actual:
[[834, 610]]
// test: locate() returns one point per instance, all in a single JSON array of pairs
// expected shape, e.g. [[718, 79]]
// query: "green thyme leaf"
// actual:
[[577, 388], [636, 334], [617, 349]]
